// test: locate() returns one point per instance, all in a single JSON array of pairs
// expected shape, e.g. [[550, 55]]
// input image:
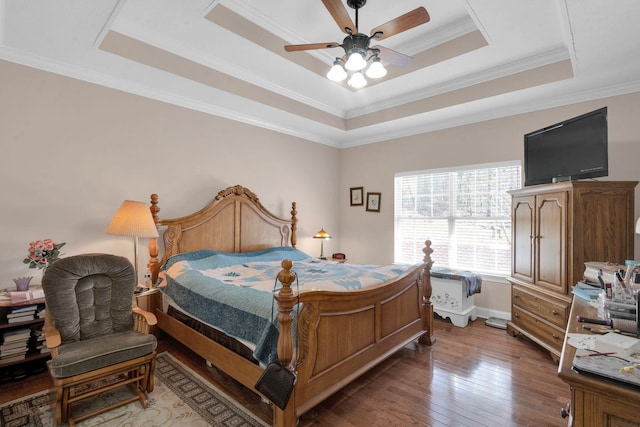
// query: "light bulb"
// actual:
[[337, 73], [376, 69], [357, 80], [356, 62]]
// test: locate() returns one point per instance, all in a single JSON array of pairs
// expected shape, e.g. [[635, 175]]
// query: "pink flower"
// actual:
[[42, 253]]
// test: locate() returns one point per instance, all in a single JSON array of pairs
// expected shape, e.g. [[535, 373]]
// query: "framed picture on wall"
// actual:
[[357, 196], [373, 202]]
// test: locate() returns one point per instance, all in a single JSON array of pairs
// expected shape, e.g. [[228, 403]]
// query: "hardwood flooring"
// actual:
[[473, 376]]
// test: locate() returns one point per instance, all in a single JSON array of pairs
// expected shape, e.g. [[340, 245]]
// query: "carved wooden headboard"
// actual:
[[235, 221]]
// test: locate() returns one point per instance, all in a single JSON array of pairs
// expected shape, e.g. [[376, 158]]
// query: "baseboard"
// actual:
[[486, 313]]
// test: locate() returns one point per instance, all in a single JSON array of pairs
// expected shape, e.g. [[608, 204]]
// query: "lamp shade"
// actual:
[[357, 80], [322, 235], [376, 70], [133, 219], [356, 61], [337, 73]]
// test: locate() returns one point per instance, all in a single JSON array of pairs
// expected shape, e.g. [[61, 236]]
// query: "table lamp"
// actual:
[[322, 235], [133, 219]]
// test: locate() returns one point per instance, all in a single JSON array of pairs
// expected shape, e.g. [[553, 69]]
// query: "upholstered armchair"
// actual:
[[95, 332]]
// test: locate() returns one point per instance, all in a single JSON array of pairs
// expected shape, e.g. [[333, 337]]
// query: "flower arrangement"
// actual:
[[43, 253]]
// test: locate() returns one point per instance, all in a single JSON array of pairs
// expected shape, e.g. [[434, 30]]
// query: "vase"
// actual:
[[22, 283]]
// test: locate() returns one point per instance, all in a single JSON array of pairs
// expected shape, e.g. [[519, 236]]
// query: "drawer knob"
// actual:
[[554, 312], [516, 296], [517, 315], [555, 337]]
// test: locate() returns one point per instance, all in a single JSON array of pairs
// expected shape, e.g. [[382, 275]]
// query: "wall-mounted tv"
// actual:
[[570, 150]]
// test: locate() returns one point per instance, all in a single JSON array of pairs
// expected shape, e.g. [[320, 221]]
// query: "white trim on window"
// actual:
[[465, 212]]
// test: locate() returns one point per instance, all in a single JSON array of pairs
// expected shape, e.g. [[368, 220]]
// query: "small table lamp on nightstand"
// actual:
[[322, 235]]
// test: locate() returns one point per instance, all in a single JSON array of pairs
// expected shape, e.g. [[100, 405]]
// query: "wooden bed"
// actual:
[[341, 334]]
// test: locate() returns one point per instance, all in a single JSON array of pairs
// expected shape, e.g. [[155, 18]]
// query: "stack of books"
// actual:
[[22, 314], [15, 344], [38, 341]]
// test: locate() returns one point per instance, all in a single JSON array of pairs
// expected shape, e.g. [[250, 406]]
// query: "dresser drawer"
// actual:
[[550, 309], [545, 332]]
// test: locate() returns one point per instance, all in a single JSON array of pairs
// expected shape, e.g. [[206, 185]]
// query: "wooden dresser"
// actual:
[[556, 229], [595, 402]]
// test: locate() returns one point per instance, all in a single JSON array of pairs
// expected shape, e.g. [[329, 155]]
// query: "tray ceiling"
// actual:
[[475, 60]]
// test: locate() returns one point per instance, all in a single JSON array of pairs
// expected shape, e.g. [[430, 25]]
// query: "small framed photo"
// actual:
[[373, 202], [357, 198]]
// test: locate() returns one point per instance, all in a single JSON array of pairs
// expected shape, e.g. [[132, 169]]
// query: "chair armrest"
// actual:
[[143, 320], [51, 334]]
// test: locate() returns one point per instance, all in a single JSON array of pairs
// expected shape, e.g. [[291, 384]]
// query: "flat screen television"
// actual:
[[570, 150]]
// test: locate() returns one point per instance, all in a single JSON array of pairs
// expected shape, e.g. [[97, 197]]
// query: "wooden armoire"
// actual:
[[556, 229]]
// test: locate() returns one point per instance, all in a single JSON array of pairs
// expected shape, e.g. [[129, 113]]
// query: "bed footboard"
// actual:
[[342, 336]]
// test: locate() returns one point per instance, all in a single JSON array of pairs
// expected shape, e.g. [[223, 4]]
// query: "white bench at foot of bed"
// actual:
[[449, 296]]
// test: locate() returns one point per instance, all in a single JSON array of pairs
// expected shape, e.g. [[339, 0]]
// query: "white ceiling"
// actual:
[[475, 60]]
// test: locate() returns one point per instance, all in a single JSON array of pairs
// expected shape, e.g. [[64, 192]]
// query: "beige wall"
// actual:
[[72, 151], [368, 237]]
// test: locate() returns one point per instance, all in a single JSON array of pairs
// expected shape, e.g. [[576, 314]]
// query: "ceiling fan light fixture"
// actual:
[[376, 70], [356, 61], [357, 80], [337, 72], [356, 45]]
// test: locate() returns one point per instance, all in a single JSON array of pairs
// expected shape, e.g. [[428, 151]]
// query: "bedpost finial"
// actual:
[[286, 264], [154, 207], [427, 252], [294, 223], [286, 276]]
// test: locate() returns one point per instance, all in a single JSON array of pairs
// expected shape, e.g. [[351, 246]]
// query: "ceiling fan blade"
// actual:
[[310, 46], [340, 15], [402, 23], [393, 57]]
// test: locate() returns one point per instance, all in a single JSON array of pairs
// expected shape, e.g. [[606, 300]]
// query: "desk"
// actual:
[[595, 402]]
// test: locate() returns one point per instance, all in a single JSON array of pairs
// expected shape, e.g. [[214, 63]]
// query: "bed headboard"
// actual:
[[235, 221]]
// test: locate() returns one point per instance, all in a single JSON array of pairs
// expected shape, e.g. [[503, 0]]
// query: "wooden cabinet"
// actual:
[[595, 402], [556, 229]]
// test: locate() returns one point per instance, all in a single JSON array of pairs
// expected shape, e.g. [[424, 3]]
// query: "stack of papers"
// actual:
[[586, 291]]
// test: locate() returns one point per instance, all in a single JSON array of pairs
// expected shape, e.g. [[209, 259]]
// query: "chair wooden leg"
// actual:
[[136, 374], [60, 413], [149, 386]]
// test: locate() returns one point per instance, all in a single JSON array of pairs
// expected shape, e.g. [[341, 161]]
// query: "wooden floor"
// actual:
[[473, 376]]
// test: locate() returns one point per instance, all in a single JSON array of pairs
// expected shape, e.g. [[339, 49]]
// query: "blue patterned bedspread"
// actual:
[[472, 281], [234, 292]]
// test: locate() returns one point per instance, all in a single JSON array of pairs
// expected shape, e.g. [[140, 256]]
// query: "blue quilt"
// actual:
[[472, 281], [234, 292]]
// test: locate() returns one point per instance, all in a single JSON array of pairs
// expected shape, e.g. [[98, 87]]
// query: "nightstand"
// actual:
[[148, 300]]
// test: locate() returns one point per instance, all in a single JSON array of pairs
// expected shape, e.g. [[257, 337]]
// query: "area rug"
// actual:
[[180, 398]]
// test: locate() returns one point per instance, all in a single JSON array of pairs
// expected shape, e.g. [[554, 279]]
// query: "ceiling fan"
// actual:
[[358, 52]]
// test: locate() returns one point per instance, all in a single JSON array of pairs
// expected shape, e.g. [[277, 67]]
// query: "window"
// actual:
[[465, 212]]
